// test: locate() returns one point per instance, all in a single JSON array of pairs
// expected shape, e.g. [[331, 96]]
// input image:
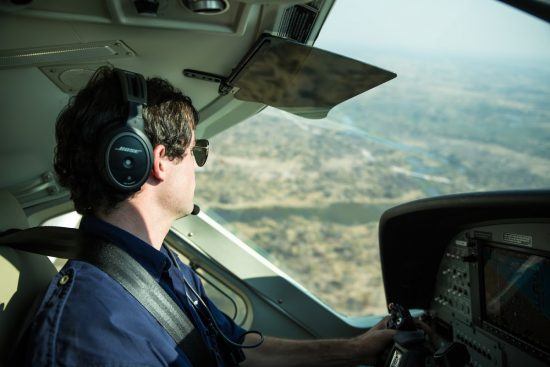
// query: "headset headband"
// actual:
[[134, 91]]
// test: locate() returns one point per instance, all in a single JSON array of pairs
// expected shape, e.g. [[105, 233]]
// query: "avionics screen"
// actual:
[[517, 294]]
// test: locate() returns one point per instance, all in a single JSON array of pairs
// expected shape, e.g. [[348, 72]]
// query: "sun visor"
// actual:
[[301, 79]]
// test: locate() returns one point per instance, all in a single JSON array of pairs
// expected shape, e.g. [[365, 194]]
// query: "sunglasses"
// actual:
[[200, 151]]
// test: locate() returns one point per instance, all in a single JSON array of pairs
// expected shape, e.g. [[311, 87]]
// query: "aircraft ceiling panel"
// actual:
[[32, 32], [159, 47], [166, 53]]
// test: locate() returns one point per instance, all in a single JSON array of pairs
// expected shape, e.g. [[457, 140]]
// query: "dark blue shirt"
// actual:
[[88, 319]]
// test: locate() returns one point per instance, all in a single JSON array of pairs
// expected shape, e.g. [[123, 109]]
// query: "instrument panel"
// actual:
[[492, 293]]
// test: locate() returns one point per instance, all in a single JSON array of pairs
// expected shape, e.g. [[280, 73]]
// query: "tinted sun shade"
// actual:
[[292, 76]]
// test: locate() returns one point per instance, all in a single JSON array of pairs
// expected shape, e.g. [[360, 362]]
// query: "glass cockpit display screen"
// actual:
[[517, 294]]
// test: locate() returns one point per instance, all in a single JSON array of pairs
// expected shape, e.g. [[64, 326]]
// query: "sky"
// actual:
[[481, 28]]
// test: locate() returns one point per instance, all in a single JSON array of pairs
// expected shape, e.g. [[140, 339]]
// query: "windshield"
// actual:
[[468, 111]]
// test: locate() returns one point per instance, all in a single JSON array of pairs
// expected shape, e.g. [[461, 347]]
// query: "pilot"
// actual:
[[86, 318]]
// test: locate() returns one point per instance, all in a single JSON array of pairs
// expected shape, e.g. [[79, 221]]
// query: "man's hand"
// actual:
[[372, 343], [363, 349]]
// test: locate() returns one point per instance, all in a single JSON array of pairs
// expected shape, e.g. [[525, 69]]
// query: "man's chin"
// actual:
[[181, 215], [185, 212]]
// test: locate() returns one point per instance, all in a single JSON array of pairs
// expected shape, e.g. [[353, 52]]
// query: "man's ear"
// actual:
[[160, 161]]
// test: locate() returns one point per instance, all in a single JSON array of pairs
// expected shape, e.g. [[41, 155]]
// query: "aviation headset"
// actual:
[[125, 155]]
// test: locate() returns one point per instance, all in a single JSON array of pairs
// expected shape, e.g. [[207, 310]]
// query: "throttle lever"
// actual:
[[409, 345], [400, 318]]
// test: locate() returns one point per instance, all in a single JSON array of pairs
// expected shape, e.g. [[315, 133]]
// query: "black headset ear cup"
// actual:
[[126, 158]]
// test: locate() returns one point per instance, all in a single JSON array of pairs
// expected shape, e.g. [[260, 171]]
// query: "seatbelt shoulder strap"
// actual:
[[74, 244]]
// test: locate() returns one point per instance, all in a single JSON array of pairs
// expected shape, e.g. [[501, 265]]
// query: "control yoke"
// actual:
[[412, 349]]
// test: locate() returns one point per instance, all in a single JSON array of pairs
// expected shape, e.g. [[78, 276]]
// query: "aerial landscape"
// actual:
[[308, 194]]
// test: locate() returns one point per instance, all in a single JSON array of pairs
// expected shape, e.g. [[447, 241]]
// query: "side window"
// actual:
[[295, 190], [467, 112], [231, 303]]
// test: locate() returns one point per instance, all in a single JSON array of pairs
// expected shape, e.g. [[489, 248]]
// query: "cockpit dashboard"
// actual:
[[480, 266]]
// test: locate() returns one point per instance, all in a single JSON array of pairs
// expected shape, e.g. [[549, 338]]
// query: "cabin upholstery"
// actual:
[[25, 277]]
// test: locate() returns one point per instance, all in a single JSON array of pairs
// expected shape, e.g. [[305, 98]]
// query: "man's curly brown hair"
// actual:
[[169, 119]]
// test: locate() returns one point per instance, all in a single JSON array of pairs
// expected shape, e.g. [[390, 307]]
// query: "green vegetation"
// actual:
[[308, 193]]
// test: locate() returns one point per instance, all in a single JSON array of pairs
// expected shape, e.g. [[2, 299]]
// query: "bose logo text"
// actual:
[[128, 150]]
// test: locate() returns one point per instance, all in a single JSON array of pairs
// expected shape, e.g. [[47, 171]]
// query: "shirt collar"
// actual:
[[154, 261]]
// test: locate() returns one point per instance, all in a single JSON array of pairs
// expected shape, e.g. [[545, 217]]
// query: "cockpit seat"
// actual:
[[25, 277]]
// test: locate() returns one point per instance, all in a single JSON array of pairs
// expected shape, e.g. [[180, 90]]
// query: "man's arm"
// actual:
[[319, 353]]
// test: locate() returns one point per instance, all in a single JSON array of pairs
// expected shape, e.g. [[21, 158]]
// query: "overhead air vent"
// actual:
[[298, 20], [71, 78]]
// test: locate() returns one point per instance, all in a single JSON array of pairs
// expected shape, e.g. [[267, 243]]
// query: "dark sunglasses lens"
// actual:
[[201, 155], [201, 151]]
